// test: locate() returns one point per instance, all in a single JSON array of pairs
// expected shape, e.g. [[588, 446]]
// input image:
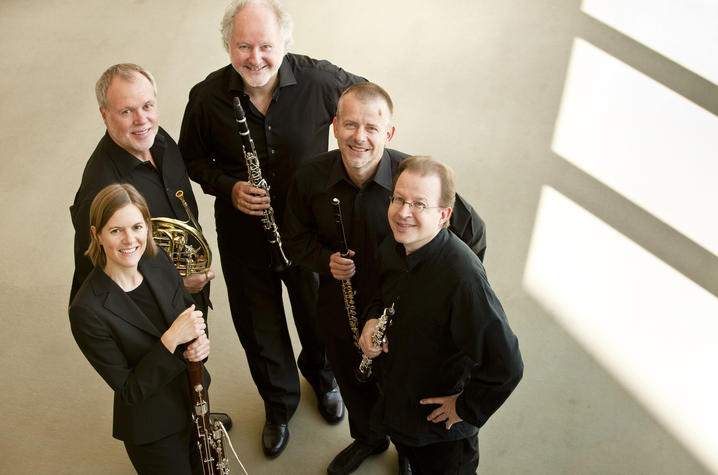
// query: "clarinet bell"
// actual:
[[278, 260]]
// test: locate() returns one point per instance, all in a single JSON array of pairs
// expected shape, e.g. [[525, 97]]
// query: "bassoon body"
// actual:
[[209, 436], [172, 236], [278, 258]]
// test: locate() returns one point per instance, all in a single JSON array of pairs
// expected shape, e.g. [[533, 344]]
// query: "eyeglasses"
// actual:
[[415, 206]]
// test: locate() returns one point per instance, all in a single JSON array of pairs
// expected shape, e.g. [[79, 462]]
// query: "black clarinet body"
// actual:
[[278, 259]]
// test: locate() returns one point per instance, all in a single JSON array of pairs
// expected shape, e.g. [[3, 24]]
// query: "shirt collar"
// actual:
[[383, 174], [286, 77], [337, 172], [126, 162], [428, 250], [381, 177]]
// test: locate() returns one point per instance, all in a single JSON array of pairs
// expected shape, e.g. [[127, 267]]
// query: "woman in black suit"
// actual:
[[133, 319]]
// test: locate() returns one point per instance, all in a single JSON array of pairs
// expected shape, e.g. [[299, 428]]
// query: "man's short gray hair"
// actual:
[[284, 21], [365, 92], [127, 71]]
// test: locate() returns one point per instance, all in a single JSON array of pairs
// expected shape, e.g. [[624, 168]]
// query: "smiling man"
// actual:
[[451, 358], [135, 150], [360, 175], [289, 101]]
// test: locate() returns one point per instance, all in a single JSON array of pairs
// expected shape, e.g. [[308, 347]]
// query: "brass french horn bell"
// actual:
[[183, 242]]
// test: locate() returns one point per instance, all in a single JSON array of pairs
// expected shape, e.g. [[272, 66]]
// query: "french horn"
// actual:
[[183, 242]]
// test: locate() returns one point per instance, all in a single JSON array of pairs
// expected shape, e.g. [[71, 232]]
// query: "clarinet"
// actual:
[[377, 339], [278, 259], [347, 289], [209, 437]]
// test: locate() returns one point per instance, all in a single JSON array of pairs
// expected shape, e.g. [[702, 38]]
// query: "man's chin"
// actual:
[[256, 81], [147, 142]]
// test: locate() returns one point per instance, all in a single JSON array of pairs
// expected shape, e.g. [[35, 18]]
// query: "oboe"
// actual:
[[209, 437], [278, 259], [377, 339], [347, 289]]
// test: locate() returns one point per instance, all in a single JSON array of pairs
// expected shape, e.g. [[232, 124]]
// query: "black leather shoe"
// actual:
[[404, 465], [274, 438], [331, 406], [221, 417], [350, 458]]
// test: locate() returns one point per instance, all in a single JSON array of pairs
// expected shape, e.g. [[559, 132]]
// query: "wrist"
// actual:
[[168, 342]]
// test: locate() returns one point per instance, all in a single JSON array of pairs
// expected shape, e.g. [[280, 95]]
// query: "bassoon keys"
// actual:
[[210, 440]]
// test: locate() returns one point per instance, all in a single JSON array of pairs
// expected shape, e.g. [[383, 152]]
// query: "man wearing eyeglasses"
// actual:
[[450, 358], [360, 175]]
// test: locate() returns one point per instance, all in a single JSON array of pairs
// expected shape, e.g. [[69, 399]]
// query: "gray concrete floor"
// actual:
[[475, 83]]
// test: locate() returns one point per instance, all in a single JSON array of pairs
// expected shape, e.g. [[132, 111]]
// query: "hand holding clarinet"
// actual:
[[252, 197]]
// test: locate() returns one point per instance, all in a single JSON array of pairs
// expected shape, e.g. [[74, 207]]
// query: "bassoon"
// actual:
[[209, 436], [172, 236], [278, 258]]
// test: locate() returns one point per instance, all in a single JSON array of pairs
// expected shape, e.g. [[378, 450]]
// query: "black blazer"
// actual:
[[150, 383]]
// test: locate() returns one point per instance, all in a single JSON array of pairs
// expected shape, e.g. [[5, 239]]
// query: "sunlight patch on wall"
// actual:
[[685, 32], [643, 140], [651, 327]]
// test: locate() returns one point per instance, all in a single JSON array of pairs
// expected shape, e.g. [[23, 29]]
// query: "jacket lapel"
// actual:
[[164, 286], [117, 302]]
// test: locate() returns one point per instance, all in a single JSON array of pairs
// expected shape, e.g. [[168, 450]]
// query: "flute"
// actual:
[[347, 290]]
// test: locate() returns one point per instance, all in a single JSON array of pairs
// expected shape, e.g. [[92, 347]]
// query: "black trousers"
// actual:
[[455, 457], [176, 454], [255, 300], [344, 359]]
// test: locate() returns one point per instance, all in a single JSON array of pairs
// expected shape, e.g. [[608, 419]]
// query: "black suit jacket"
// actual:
[[150, 383]]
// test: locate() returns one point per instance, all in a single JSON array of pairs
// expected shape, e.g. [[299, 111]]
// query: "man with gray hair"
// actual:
[[289, 101], [135, 150]]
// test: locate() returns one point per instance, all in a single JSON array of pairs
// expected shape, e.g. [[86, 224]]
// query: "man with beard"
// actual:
[[289, 101]]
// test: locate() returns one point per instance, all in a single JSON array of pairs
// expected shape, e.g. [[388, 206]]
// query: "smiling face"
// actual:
[[362, 130], [123, 238], [256, 48], [411, 228], [131, 114]]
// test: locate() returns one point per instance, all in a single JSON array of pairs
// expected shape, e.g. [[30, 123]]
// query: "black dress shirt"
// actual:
[[311, 235], [294, 129], [449, 334], [109, 164]]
